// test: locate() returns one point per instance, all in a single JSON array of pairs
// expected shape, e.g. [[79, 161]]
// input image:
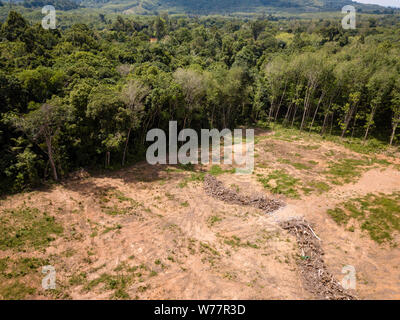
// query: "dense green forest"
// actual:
[[86, 95]]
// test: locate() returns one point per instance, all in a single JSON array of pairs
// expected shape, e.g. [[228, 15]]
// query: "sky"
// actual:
[[386, 3]]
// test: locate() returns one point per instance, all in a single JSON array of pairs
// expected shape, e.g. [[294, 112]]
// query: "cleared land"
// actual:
[[155, 232]]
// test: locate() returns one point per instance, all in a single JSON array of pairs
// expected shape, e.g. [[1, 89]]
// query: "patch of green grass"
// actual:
[[26, 227], [297, 165], [213, 220], [121, 197], [371, 146], [115, 227], [198, 176], [20, 267], [379, 215], [13, 276], [16, 291], [330, 153], [263, 165], [280, 182], [285, 134], [339, 216], [310, 147], [116, 211], [382, 162], [3, 265], [78, 279], [319, 186], [118, 283], [216, 170], [24, 266], [185, 204], [142, 289], [153, 273], [252, 245], [235, 241], [206, 247], [229, 276], [346, 170]]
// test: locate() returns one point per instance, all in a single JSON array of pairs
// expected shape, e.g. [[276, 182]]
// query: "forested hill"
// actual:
[[227, 6], [245, 5]]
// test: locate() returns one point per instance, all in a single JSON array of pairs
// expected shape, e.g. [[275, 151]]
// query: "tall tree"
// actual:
[[133, 95], [43, 124], [395, 106]]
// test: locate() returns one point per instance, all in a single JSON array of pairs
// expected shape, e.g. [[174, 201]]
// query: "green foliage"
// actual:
[[16, 291], [24, 228], [117, 283], [345, 170], [280, 182], [379, 215], [216, 170], [297, 165], [198, 176], [213, 220], [87, 93]]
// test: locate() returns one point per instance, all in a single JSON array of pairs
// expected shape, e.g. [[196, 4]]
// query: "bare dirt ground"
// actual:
[[154, 232]]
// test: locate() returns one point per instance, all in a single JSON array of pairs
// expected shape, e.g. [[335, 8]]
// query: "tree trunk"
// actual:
[[309, 91], [370, 122], [270, 110], [280, 102], [394, 130], [316, 111], [51, 159], [366, 132], [347, 120], [324, 124], [354, 124], [333, 115], [294, 114], [326, 118], [288, 113], [108, 157], [126, 146]]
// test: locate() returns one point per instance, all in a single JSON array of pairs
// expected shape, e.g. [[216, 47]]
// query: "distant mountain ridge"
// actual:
[[227, 6]]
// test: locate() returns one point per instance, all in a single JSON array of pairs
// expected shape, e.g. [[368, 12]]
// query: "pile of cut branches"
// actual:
[[216, 189], [315, 275]]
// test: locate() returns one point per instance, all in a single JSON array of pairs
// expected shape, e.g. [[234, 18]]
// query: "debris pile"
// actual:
[[216, 189], [79, 175], [316, 277]]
